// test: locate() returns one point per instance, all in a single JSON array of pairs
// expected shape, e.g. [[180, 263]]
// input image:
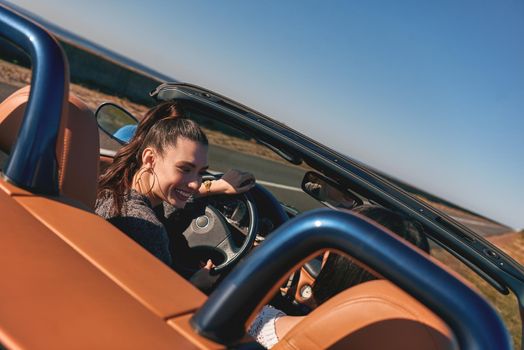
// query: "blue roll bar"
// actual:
[[32, 164]]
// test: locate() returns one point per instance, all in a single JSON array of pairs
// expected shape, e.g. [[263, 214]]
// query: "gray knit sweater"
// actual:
[[160, 231], [140, 222]]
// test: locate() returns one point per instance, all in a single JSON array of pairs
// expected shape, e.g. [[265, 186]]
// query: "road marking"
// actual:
[[284, 187], [107, 152]]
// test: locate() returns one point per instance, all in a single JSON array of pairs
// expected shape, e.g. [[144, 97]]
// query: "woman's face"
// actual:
[[178, 172]]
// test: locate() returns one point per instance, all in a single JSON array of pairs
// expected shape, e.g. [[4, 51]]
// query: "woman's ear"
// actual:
[[148, 157]]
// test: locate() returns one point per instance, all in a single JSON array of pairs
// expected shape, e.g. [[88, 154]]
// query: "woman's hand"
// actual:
[[232, 182], [203, 279]]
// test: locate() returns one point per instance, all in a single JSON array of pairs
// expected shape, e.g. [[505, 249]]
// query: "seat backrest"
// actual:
[[77, 149], [371, 315]]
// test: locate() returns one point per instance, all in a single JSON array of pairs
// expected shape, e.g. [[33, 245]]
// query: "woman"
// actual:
[[337, 274], [162, 164]]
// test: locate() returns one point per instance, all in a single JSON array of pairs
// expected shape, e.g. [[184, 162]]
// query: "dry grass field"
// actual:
[[15, 77], [512, 244]]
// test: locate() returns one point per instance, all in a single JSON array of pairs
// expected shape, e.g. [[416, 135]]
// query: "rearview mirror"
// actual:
[[326, 191], [115, 121]]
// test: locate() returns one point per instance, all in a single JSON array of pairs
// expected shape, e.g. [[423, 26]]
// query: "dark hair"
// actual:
[[340, 273], [161, 127]]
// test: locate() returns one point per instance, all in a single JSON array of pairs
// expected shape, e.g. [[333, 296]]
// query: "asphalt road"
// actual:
[[484, 228], [282, 180]]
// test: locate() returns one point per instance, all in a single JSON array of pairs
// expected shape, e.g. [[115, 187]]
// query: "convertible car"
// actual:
[[71, 280]]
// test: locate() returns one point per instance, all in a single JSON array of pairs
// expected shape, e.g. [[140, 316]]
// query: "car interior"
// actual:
[[73, 275], [374, 311]]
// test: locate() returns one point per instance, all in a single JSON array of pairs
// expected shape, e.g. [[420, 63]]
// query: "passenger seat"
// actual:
[[77, 154]]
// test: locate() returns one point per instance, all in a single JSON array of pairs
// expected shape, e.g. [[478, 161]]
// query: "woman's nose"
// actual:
[[195, 183]]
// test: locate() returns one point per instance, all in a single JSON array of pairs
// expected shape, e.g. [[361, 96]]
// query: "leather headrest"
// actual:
[[77, 145]]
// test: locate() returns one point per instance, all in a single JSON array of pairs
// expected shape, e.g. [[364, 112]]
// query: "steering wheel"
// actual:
[[211, 229]]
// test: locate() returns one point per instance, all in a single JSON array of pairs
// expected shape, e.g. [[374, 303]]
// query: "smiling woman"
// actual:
[[162, 164]]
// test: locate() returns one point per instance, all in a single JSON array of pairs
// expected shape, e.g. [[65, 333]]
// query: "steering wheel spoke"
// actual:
[[229, 248]]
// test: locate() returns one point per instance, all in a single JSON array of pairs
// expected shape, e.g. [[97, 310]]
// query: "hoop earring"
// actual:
[[139, 179], [164, 197]]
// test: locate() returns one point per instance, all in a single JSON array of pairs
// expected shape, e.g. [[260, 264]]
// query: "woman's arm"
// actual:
[[232, 182]]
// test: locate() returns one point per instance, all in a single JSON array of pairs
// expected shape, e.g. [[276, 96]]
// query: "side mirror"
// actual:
[[326, 191], [116, 122]]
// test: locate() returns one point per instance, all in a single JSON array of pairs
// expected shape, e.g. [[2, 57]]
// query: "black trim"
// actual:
[[313, 267]]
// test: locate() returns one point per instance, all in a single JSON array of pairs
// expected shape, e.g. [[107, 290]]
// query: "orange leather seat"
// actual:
[[371, 315], [77, 153]]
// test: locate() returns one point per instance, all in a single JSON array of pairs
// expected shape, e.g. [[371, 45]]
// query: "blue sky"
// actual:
[[431, 92]]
